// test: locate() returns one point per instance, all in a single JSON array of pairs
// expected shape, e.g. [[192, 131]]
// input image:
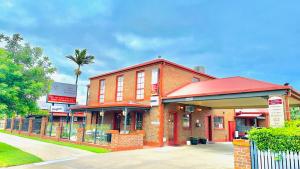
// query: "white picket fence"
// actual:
[[271, 160]]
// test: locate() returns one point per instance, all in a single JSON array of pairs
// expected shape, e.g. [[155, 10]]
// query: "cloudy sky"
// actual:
[[257, 39]]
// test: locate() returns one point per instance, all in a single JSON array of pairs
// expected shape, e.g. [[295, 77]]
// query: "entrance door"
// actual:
[[231, 130], [117, 121], [172, 129], [209, 128]]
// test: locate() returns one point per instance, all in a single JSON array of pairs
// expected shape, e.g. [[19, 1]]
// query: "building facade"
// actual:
[[159, 97]]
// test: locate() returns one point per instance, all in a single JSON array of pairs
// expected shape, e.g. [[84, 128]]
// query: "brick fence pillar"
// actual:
[[44, 126], [30, 126], [242, 156], [20, 124], [5, 122], [80, 135], [12, 124], [58, 132]]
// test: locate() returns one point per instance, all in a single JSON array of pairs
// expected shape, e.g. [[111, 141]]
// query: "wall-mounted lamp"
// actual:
[[101, 113], [124, 113]]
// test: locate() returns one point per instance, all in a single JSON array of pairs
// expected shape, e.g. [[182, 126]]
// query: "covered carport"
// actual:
[[229, 93], [233, 93]]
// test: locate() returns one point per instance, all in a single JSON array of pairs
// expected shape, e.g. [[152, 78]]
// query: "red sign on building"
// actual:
[[61, 99]]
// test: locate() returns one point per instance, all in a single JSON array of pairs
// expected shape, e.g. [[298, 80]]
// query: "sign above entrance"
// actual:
[[154, 101], [276, 111], [57, 109]]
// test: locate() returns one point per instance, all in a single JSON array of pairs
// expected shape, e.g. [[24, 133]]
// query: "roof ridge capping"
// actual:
[[149, 63]]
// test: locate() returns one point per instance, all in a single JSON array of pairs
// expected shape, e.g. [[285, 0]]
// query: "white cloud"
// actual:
[[149, 43]]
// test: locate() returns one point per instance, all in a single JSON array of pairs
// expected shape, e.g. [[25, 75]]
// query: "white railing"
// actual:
[[272, 160]]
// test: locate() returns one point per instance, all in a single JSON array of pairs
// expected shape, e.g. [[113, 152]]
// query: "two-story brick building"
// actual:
[[160, 98]]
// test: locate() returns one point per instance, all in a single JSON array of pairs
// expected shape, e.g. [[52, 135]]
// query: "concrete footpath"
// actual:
[[45, 151]]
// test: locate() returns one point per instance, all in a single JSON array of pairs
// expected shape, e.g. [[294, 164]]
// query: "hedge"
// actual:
[[277, 139]]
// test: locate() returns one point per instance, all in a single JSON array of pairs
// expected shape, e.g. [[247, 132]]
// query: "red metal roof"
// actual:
[[155, 61], [231, 85], [113, 104]]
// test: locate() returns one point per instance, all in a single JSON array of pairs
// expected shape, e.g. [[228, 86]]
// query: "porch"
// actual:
[[118, 125]]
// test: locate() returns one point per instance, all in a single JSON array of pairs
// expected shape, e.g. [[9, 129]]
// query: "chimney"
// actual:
[[200, 69]]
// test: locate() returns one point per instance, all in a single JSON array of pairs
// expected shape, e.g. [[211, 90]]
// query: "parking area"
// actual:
[[211, 156]]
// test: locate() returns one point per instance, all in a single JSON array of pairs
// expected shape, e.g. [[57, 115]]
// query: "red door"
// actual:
[[172, 129], [231, 130], [209, 128]]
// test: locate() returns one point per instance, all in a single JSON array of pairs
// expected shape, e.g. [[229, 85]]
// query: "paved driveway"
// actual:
[[43, 150], [213, 156]]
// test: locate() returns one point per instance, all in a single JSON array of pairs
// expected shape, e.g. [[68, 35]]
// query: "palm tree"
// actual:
[[80, 58]]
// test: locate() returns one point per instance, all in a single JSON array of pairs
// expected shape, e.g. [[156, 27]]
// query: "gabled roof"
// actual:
[[222, 86], [155, 61]]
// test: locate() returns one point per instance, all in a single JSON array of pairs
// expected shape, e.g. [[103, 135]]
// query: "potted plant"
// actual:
[[194, 140], [202, 140]]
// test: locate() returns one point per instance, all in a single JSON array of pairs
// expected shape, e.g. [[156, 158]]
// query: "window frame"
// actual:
[[100, 89], [117, 87], [219, 123], [137, 89], [190, 121]]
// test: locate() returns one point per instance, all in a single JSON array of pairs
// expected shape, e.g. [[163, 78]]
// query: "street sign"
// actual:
[[62, 93], [276, 111]]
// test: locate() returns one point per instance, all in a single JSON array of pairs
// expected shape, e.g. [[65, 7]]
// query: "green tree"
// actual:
[[80, 58], [25, 76]]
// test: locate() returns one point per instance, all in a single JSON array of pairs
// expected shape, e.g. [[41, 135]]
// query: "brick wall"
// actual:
[[242, 158], [174, 77], [127, 141], [200, 114]]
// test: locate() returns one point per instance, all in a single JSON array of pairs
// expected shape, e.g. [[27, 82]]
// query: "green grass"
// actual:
[[67, 144], [11, 156]]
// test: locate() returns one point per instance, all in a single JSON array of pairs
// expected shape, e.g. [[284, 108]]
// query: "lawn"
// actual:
[[67, 144], [11, 156]]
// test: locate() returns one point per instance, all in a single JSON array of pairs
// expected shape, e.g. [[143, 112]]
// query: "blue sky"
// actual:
[[257, 39]]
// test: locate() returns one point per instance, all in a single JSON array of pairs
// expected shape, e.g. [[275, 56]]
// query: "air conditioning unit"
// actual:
[[189, 109]]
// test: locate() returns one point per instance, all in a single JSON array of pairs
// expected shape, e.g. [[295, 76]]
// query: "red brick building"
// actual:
[[171, 103]]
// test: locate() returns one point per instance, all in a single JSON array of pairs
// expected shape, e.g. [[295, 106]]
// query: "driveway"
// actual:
[[212, 156], [46, 151]]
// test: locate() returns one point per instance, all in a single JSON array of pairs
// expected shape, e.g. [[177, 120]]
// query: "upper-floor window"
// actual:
[[140, 85], [195, 79], [101, 91], [120, 82]]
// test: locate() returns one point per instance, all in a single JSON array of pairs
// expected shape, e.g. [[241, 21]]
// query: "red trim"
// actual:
[[156, 61], [113, 104]]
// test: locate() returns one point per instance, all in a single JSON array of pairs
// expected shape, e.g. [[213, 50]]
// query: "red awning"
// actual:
[[65, 114], [249, 115]]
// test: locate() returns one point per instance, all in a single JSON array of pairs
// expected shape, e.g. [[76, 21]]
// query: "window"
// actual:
[[140, 85], [101, 91], [219, 122], [186, 121], [120, 82], [195, 79]]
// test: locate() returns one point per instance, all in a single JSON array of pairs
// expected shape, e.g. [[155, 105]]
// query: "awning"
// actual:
[[111, 106], [65, 114], [249, 115]]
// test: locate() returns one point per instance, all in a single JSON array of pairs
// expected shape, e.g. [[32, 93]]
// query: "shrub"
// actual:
[[277, 139], [293, 123]]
